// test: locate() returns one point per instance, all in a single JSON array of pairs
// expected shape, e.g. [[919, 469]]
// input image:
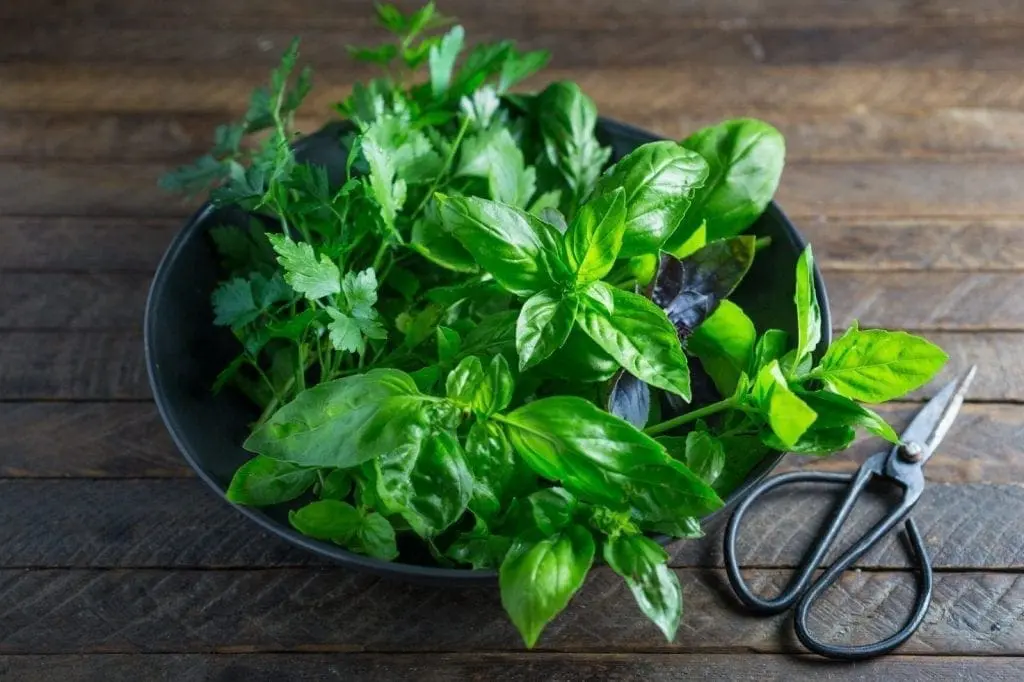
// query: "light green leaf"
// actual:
[[692, 244], [326, 520], [442, 60], [639, 336], [386, 190], [434, 243], [543, 326], [771, 346], [876, 365], [594, 239], [725, 345], [788, 416], [491, 462], [448, 344], [304, 273], [704, 455], [808, 313], [570, 146], [262, 481], [644, 566], [537, 579], [485, 391], [344, 332], [494, 156], [336, 485], [835, 411]]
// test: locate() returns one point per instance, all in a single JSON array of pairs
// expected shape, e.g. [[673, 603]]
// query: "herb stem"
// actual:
[[713, 408]]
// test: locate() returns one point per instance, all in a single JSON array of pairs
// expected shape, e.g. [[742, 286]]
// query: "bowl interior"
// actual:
[[185, 351]]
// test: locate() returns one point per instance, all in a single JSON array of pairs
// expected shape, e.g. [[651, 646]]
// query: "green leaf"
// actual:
[[540, 514], [808, 313], [360, 291], [725, 345], [494, 156], [261, 482], [659, 179], [233, 304], [771, 346], [570, 145], [362, 532], [342, 423], [344, 332], [442, 60], [742, 454], [835, 411], [382, 54], [595, 237], [304, 273], [644, 566], [244, 250], [410, 152], [787, 415], [580, 360], [386, 190], [491, 463], [426, 482], [745, 158], [638, 335], [437, 245], [195, 178], [875, 365], [480, 108], [336, 485], [521, 252], [815, 440], [543, 326], [605, 460], [692, 244], [518, 67], [375, 537], [448, 344], [537, 579], [479, 547], [484, 391], [704, 455]]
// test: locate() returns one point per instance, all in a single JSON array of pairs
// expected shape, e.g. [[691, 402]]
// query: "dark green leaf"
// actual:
[[233, 304], [262, 481], [742, 454], [195, 178], [518, 67], [541, 513], [438, 246], [336, 485], [644, 566], [480, 548], [326, 520], [704, 455], [835, 410], [725, 345], [594, 239], [543, 326], [448, 344], [491, 462], [580, 359], [537, 579], [374, 55]]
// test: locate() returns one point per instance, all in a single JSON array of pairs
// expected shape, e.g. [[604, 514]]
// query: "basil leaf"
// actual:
[[263, 481], [479, 548], [815, 441], [580, 359], [482, 391], [644, 566], [630, 399], [700, 451], [808, 314], [339, 424], [771, 346], [745, 159], [336, 485], [835, 411], [570, 146], [594, 239], [690, 290], [361, 532], [537, 579], [540, 514], [543, 326], [604, 460], [492, 335], [788, 416], [725, 345], [426, 483], [449, 343], [660, 179], [375, 537], [636, 333], [685, 527], [742, 454], [491, 463], [524, 254], [694, 243], [432, 242], [875, 365]]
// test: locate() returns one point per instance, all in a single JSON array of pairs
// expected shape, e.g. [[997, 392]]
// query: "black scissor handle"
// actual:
[[800, 591]]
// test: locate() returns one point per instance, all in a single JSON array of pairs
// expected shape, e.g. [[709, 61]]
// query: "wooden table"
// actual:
[[905, 125]]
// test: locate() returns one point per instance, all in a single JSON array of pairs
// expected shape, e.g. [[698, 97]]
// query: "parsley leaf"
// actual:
[[308, 276]]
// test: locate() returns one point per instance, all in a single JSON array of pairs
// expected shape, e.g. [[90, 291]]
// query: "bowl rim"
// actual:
[[409, 572]]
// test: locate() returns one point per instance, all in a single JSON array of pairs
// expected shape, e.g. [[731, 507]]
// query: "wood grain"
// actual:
[[124, 611], [72, 301], [500, 667], [182, 524], [85, 244], [88, 440]]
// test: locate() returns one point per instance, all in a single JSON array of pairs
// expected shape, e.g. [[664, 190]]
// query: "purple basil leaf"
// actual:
[[630, 399], [689, 290]]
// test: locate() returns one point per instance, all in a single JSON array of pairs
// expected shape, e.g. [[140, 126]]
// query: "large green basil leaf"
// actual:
[[543, 326], [362, 532], [492, 463], [604, 460], [342, 423], [570, 146], [580, 359], [336, 485], [483, 390], [788, 416], [523, 253], [725, 345], [660, 179], [644, 565], [435, 244], [836, 411], [594, 239], [875, 365], [742, 454], [537, 578], [541, 513], [427, 483], [808, 313], [637, 334], [263, 481], [492, 335], [479, 547], [702, 452], [745, 158]]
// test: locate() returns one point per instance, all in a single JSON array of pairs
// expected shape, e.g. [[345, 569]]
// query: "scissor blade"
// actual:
[[932, 423]]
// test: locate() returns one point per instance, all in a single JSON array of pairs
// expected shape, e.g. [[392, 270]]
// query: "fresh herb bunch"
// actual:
[[481, 339]]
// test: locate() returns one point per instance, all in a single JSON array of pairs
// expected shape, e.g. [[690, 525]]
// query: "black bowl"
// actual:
[[185, 351]]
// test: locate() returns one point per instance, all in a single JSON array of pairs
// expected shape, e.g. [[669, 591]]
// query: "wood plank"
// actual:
[[934, 244], [852, 189], [1000, 361], [95, 440], [279, 610], [175, 137], [649, 40], [624, 93], [182, 524], [89, 244], [128, 440], [329, 13], [67, 301], [75, 365], [500, 667]]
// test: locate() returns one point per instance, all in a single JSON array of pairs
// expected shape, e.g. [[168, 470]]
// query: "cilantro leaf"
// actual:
[[344, 332], [308, 276], [360, 289], [233, 304]]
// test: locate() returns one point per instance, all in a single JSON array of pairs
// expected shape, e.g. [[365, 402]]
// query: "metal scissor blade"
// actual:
[[931, 424]]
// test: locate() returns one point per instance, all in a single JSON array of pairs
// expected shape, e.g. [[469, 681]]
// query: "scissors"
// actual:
[[902, 465]]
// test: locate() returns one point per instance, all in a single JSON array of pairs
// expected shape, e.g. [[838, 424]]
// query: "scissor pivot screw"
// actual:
[[911, 452]]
